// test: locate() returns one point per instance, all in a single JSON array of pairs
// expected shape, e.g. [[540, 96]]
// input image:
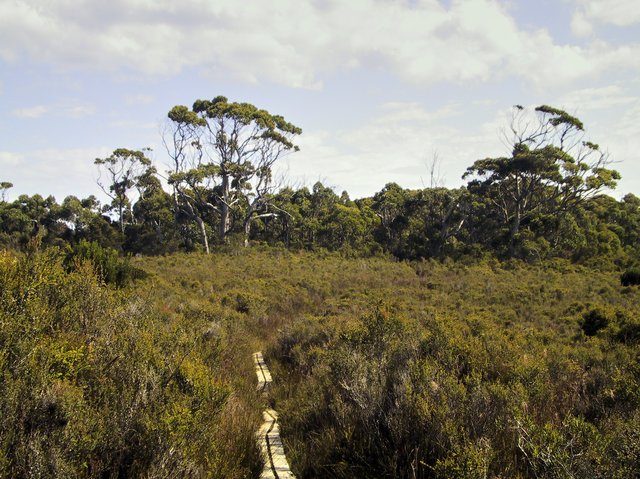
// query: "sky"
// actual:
[[380, 88]]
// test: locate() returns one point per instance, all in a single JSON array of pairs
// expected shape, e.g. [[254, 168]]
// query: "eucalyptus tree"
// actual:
[[418, 223], [552, 169], [31, 217], [4, 186], [389, 205], [154, 231], [191, 175], [79, 214], [123, 168], [287, 227], [438, 216], [235, 144]]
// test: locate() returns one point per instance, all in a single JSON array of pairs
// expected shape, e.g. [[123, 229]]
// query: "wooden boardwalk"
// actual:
[[275, 461], [262, 371]]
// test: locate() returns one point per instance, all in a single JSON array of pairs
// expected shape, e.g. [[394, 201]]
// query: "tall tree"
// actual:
[[237, 144], [551, 169], [389, 205], [123, 168], [192, 175], [155, 230], [4, 186]]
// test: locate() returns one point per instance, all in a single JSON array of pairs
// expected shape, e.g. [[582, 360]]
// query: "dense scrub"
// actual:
[[408, 224], [478, 371], [457, 368], [383, 368], [98, 382], [391, 369]]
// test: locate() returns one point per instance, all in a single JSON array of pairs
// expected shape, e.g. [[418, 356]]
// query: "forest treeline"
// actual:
[[545, 200], [409, 224]]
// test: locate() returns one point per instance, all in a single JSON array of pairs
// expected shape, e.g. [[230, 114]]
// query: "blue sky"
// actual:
[[378, 86]]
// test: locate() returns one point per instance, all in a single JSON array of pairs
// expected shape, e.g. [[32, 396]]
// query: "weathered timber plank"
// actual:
[[262, 371], [276, 465]]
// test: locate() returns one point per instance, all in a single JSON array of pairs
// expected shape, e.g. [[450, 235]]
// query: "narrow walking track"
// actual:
[[275, 462], [262, 371]]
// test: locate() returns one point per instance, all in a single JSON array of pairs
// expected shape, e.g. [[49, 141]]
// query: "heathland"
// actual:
[[473, 368]]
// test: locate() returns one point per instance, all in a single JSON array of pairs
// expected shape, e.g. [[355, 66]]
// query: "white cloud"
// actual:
[[580, 26], [396, 146], [31, 112], [68, 109], [32, 171], [621, 13], [297, 43], [398, 143], [9, 159], [598, 98], [139, 99], [79, 111], [133, 124]]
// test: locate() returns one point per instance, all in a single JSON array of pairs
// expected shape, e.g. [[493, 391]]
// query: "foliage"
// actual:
[[507, 347], [4, 186], [467, 371], [383, 368], [551, 170], [542, 201], [231, 148], [108, 265], [97, 383], [124, 169]]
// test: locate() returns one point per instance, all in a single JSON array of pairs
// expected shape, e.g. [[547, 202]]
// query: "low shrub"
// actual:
[[107, 263], [95, 383]]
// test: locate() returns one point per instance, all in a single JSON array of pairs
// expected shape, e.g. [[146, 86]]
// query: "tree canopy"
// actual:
[[229, 149], [552, 168]]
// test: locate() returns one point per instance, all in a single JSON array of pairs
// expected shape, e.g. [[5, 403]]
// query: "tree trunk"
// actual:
[[445, 229], [225, 218], [120, 218], [203, 232], [247, 231], [251, 208], [287, 233], [513, 231]]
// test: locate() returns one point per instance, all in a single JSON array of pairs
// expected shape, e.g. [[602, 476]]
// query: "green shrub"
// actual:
[[109, 266], [479, 375], [628, 330], [95, 383]]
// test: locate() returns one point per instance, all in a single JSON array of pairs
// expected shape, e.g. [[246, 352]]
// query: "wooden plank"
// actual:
[[276, 465], [262, 371]]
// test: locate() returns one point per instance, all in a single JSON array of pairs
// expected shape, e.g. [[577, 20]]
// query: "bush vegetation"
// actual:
[[478, 370], [99, 382], [108, 265], [383, 368], [542, 202]]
